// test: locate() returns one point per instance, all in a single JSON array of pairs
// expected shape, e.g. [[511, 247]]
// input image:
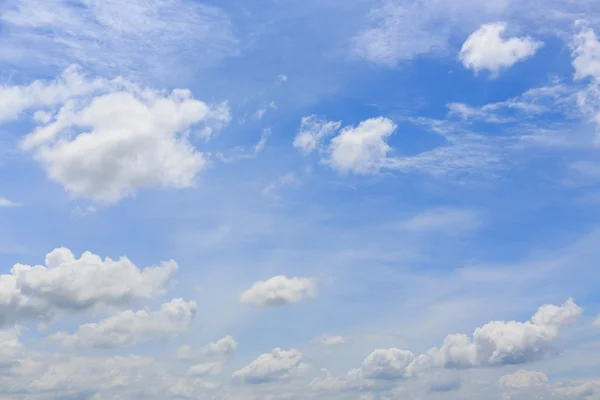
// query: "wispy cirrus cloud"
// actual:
[[156, 38]]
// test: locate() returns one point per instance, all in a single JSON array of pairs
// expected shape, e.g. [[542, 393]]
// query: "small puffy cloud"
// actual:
[[361, 149], [313, 129], [130, 327], [69, 284], [586, 53], [330, 340], [104, 139], [386, 364], [487, 49], [279, 290], [221, 348], [278, 365], [522, 379], [5, 203]]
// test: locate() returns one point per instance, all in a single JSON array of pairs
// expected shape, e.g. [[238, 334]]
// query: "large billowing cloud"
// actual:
[[69, 284], [130, 327], [487, 49], [105, 139]]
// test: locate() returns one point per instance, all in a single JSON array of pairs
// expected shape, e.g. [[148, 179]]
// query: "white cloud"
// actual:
[[361, 149], [279, 290], [487, 49], [277, 365], [204, 369], [130, 327], [272, 189], [105, 139], [5, 203], [386, 364], [586, 53], [500, 342], [67, 284], [399, 31], [262, 142], [313, 129], [157, 38], [222, 348], [494, 344], [596, 322], [522, 378]]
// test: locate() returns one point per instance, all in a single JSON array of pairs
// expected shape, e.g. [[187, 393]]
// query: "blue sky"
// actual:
[[368, 200]]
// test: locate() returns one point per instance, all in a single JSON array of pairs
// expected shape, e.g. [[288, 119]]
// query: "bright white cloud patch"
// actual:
[[487, 49], [313, 130], [586, 53], [131, 327], [137, 37], [105, 139], [277, 365], [69, 284], [219, 349], [362, 149], [279, 290], [500, 343]]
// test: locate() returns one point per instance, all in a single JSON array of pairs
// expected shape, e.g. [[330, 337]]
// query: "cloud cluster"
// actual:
[[130, 327], [495, 343], [277, 365], [69, 284], [104, 139]]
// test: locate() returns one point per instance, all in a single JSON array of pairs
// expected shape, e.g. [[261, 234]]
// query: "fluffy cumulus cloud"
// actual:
[[362, 149], [221, 348], [69, 284], [494, 344], [313, 129], [279, 290], [104, 139], [130, 327], [277, 365], [502, 343], [487, 49]]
